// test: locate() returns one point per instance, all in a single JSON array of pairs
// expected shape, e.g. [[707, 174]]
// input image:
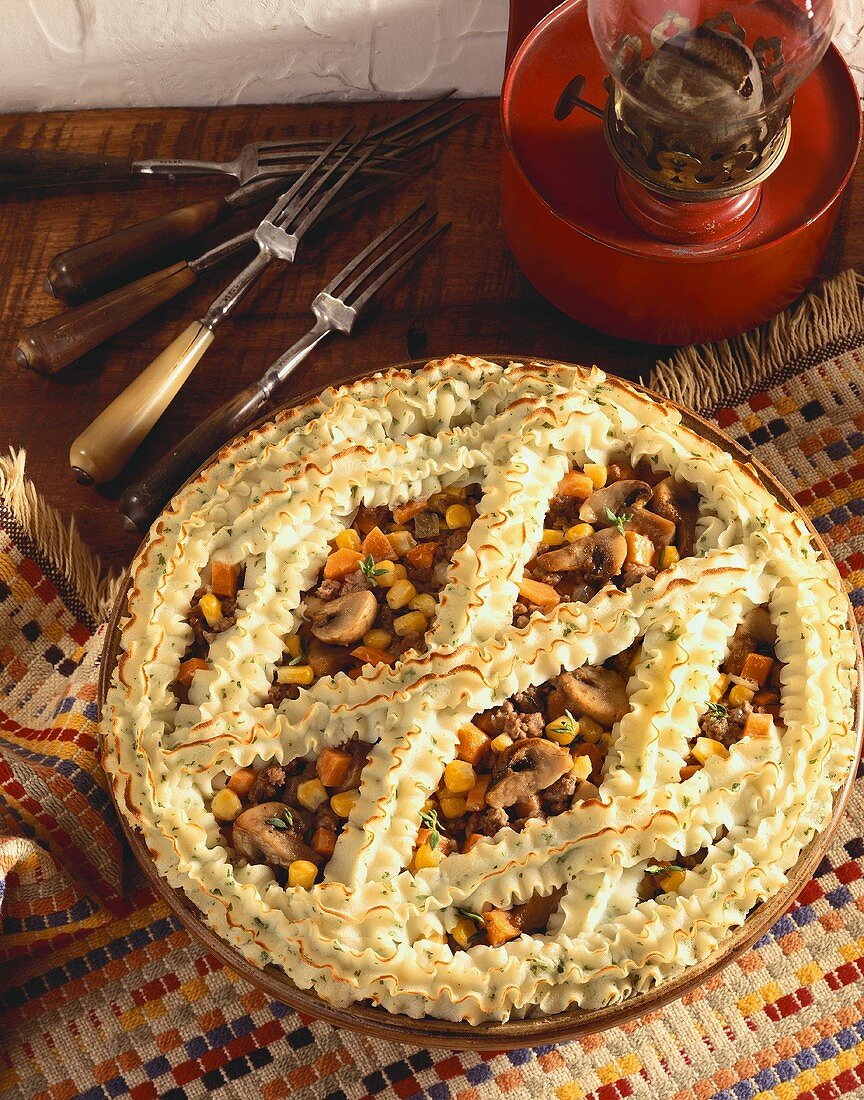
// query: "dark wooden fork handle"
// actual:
[[98, 266], [144, 499], [55, 343], [38, 169]]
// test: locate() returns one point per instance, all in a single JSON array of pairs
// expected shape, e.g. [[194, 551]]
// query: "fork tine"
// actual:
[[401, 261], [352, 265], [312, 215], [382, 131], [356, 283], [289, 195]]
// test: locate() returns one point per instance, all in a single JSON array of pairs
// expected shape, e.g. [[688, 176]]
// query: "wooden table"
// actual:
[[468, 296]]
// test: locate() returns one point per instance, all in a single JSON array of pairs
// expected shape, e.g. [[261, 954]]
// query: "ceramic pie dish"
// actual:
[[483, 702]]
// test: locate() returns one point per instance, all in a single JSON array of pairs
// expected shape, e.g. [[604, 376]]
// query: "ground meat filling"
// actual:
[[607, 525], [375, 599], [745, 699], [533, 757], [306, 805], [213, 610]]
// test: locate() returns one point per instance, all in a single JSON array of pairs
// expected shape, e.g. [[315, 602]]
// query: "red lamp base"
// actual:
[[616, 257]]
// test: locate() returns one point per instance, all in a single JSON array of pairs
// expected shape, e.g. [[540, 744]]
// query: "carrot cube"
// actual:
[[223, 578], [640, 549], [758, 725], [370, 655], [538, 593], [241, 782], [473, 743], [576, 485], [324, 841], [476, 799], [421, 556], [188, 669], [471, 840], [411, 508], [332, 767], [499, 928], [378, 545], [342, 563], [757, 667]]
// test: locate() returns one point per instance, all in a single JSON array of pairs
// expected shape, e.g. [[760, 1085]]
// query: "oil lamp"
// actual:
[[671, 174]]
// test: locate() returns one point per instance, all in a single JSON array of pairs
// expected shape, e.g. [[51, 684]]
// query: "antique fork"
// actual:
[[101, 451], [336, 309], [99, 266]]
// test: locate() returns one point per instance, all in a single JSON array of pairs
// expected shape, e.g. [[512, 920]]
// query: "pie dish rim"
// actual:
[[571, 1023]]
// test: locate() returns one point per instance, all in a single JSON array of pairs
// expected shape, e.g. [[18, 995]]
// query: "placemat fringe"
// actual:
[[719, 374], [57, 539]]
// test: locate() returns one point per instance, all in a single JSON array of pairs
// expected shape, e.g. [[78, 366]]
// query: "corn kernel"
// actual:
[[669, 883], [457, 515], [293, 645], [343, 803], [552, 537], [426, 857], [425, 604], [451, 806], [582, 767], [706, 747], [349, 539], [501, 743], [590, 731], [597, 473], [719, 689], [563, 730], [463, 930], [377, 639], [211, 609], [312, 794], [739, 695], [302, 873], [459, 777], [401, 594], [302, 675], [669, 556], [387, 573], [226, 806], [401, 541], [415, 622], [578, 531]]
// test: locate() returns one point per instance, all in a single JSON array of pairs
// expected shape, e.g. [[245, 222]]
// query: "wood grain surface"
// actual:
[[467, 296]]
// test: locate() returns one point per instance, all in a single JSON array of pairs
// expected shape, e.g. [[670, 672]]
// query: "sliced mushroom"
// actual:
[[528, 766], [598, 693], [659, 530], [346, 619], [259, 842], [757, 622], [680, 504], [618, 498], [599, 556]]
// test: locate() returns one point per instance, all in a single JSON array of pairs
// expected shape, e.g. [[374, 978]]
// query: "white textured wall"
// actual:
[[106, 53]]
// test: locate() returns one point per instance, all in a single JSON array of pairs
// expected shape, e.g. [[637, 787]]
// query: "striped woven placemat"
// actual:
[[102, 992]]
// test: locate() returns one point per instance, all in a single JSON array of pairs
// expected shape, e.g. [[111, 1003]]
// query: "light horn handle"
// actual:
[[104, 447]]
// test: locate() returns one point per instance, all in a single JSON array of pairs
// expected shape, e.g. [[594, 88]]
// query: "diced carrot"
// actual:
[[421, 556], [241, 781], [223, 578], [324, 841], [411, 508], [476, 799], [378, 545], [538, 593], [499, 928], [765, 698], [473, 743], [332, 767], [758, 725], [342, 563], [325, 660], [188, 669], [576, 485], [367, 518], [757, 667], [640, 549], [688, 770], [369, 655], [595, 754], [471, 840]]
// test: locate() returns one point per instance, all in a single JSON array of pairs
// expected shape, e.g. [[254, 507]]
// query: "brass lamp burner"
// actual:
[[700, 119]]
